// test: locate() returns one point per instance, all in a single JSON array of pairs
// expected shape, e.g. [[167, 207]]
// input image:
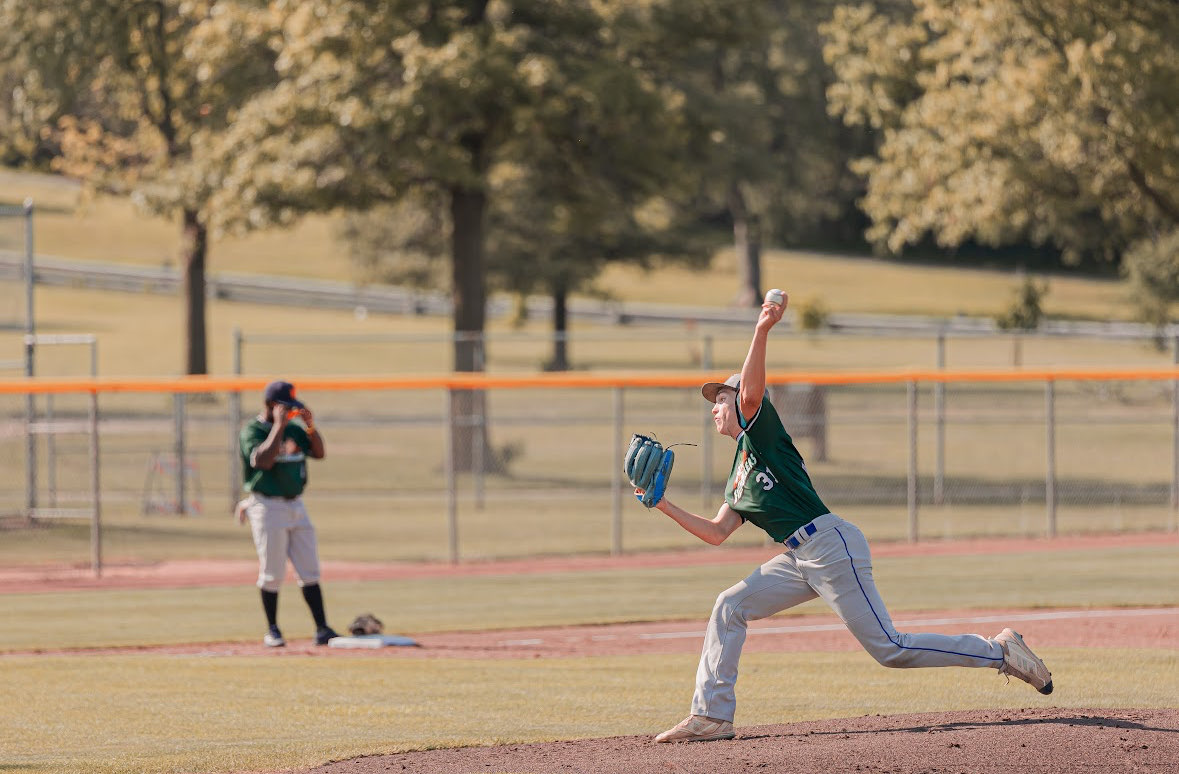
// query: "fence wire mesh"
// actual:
[[430, 474]]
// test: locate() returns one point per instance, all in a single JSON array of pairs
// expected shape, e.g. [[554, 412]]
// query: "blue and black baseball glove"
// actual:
[[648, 466]]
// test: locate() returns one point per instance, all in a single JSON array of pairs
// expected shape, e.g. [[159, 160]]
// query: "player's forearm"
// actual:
[[753, 371], [705, 529], [317, 450], [267, 452]]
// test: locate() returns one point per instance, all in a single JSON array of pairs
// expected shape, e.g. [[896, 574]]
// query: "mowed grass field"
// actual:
[[145, 712]]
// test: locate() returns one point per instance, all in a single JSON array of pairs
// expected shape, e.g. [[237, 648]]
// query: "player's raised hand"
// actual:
[[772, 309], [280, 414]]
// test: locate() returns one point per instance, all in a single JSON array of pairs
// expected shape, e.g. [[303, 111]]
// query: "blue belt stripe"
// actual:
[[881, 623], [809, 528]]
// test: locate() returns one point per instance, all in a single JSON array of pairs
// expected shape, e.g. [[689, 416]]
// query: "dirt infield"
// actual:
[[1040, 741]]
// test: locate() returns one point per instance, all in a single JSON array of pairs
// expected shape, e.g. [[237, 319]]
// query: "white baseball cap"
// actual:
[[711, 389]]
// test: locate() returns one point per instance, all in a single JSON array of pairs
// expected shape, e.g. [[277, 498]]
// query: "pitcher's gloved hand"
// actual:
[[648, 466]]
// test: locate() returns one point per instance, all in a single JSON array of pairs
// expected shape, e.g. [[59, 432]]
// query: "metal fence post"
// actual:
[[939, 413], [178, 423], [50, 453], [1050, 473], [912, 487], [235, 423], [478, 424], [615, 476], [1173, 520], [95, 491], [30, 399], [448, 473], [706, 436]]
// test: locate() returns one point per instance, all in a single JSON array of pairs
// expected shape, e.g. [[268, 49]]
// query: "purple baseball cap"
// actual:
[[284, 393]]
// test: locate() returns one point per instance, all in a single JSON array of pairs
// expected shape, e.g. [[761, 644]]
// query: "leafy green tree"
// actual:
[[772, 164], [548, 238], [383, 102], [404, 243], [122, 92], [379, 101], [1006, 121], [1026, 311], [586, 181], [1151, 266]]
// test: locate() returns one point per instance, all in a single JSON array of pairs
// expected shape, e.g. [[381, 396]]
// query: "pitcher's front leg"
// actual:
[[775, 586]]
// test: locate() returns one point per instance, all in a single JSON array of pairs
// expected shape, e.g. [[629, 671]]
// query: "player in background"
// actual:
[[274, 453], [825, 556]]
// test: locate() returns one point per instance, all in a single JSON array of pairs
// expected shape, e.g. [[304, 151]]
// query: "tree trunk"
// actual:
[[195, 246], [747, 246], [472, 449], [468, 209], [560, 361]]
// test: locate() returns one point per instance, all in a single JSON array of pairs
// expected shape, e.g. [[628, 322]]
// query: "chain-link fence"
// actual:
[[690, 345], [443, 468]]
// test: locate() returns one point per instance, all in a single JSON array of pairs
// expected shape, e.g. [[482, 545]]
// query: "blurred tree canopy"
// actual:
[[1152, 267], [583, 176], [477, 106], [1001, 121], [533, 141], [119, 93], [771, 163]]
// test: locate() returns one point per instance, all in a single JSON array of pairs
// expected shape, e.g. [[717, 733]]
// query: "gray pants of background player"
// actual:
[[282, 529], [834, 563]]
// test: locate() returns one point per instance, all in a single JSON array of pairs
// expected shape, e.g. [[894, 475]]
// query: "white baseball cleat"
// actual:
[[697, 728], [1019, 661]]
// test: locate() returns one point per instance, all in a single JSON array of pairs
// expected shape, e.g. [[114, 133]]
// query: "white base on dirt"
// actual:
[[370, 641]]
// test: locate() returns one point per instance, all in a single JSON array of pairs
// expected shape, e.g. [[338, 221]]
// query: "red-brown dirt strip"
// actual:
[[198, 573], [1076, 628]]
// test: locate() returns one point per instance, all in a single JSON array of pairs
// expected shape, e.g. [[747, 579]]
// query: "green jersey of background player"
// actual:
[[824, 556]]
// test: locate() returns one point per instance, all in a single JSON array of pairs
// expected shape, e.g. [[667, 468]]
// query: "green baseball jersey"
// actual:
[[289, 474], [769, 485]]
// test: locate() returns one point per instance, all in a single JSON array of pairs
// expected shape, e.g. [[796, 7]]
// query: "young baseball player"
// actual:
[[274, 461], [825, 556]]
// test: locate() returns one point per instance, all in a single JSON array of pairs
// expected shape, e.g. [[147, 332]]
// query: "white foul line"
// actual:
[[1047, 615]]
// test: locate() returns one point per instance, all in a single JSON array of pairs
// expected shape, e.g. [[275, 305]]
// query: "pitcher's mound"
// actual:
[[1029, 741]]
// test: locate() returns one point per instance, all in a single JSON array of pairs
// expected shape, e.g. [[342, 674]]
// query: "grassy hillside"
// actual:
[[107, 229]]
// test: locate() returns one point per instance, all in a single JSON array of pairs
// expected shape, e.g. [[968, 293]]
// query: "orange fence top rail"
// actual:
[[469, 381]]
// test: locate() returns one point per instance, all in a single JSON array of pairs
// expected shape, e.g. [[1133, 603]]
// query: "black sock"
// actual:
[[314, 597], [270, 605]]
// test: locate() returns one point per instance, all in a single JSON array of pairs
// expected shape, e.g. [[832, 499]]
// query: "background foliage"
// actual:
[[526, 145]]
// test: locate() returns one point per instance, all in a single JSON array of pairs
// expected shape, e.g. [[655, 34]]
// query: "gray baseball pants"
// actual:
[[282, 529], [833, 563]]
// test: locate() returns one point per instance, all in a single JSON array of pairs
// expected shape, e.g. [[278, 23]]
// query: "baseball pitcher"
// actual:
[[824, 556]]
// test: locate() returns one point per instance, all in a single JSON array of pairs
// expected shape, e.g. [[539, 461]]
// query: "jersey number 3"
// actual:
[[767, 482]]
